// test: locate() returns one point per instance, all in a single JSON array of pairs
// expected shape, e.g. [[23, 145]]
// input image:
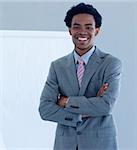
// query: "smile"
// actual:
[[82, 38]]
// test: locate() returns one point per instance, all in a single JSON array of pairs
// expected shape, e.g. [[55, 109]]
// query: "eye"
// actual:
[[89, 28], [76, 27]]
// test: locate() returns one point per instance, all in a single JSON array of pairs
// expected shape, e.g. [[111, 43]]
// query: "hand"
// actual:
[[62, 101], [100, 92], [102, 89]]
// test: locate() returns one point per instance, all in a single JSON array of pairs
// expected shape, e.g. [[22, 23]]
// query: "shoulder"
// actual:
[[62, 61], [108, 58]]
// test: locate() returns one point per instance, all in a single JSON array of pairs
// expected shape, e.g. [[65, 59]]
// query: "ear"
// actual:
[[97, 31], [70, 31]]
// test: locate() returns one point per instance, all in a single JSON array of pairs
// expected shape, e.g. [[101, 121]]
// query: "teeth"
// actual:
[[82, 39]]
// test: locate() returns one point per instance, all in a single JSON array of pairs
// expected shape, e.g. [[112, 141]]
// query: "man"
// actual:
[[82, 88]]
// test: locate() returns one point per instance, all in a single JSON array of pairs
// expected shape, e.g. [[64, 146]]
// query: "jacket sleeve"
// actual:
[[48, 108], [102, 105]]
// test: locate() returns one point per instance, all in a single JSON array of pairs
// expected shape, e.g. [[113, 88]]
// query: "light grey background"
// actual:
[[118, 36]]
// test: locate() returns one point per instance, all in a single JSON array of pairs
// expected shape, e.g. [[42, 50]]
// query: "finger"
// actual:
[[99, 92], [105, 86]]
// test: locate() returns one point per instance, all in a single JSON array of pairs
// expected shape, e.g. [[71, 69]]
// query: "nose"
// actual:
[[82, 31]]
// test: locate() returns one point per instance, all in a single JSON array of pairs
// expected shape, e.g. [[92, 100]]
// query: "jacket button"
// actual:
[[69, 119], [78, 133], [74, 106]]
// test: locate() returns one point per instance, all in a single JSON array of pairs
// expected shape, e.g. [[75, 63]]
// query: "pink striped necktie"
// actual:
[[80, 71]]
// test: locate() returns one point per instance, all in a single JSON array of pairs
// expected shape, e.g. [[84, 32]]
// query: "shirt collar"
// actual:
[[84, 57]]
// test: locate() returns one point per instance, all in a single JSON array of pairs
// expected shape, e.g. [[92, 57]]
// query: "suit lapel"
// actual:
[[71, 70], [91, 67]]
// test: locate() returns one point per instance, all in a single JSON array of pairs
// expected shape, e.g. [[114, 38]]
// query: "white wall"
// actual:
[[48, 15], [26, 57]]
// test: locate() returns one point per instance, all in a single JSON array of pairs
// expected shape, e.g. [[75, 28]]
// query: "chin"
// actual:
[[84, 48]]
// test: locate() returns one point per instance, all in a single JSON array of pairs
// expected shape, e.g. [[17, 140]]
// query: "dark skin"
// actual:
[[83, 32]]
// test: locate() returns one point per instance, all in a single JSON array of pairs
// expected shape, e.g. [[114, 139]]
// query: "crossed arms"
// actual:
[[51, 108], [63, 100]]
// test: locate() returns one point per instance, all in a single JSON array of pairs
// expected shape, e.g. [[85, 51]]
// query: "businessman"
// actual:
[[82, 88]]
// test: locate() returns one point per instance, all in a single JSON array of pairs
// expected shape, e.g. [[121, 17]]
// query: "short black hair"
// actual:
[[83, 8]]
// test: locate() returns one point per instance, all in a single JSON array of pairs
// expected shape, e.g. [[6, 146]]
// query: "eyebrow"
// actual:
[[77, 24], [89, 24]]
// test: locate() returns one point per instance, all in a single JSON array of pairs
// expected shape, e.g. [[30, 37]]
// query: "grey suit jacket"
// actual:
[[97, 132]]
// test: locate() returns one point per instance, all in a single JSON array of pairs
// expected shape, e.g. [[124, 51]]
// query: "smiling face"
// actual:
[[83, 31]]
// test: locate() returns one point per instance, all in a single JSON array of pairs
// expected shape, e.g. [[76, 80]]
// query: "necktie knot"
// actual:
[[80, 62]]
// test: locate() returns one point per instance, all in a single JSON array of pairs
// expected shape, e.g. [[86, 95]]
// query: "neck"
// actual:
[[81, 52]]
